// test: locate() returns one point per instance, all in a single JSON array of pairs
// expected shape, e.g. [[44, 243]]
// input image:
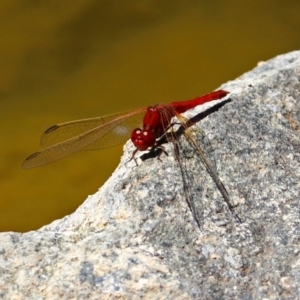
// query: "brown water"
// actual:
[[80, 59]]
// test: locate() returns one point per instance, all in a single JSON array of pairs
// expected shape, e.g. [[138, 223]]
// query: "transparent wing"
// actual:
[[64, 131], [199, 135], [89, 134], [209, 163]]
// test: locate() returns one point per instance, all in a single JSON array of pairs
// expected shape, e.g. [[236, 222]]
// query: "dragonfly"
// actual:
[[64, 139]]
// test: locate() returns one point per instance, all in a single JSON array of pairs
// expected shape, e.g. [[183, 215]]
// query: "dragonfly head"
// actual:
[[143, 138]]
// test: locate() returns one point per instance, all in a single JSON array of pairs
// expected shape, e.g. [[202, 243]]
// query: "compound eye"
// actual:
[[143, 139]]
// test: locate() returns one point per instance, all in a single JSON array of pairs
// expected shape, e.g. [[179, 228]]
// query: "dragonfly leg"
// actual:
[[133, 157], [163, 150], [155, 151]]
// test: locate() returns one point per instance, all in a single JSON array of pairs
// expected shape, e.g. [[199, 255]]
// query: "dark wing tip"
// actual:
[[52, 128], [25, 163]]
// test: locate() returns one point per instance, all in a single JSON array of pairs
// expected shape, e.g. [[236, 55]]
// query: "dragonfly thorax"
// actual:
[[156, 119]]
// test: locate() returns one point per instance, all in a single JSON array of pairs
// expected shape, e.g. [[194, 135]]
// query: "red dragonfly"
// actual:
[[65, 139]]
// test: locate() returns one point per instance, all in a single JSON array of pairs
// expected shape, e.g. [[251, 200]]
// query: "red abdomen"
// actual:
[[183, 106]]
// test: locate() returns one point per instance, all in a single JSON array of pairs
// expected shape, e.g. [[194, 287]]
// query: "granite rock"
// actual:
[[136, 237]]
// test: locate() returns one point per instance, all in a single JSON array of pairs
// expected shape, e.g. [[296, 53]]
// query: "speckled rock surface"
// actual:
[[136, 238]]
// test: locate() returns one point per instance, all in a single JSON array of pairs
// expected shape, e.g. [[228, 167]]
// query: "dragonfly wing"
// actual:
[[65, 131], [106, 135], [117, 133], [205, 143], [192, 130]]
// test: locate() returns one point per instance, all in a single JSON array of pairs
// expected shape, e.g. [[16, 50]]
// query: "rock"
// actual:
[[136, 237]]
